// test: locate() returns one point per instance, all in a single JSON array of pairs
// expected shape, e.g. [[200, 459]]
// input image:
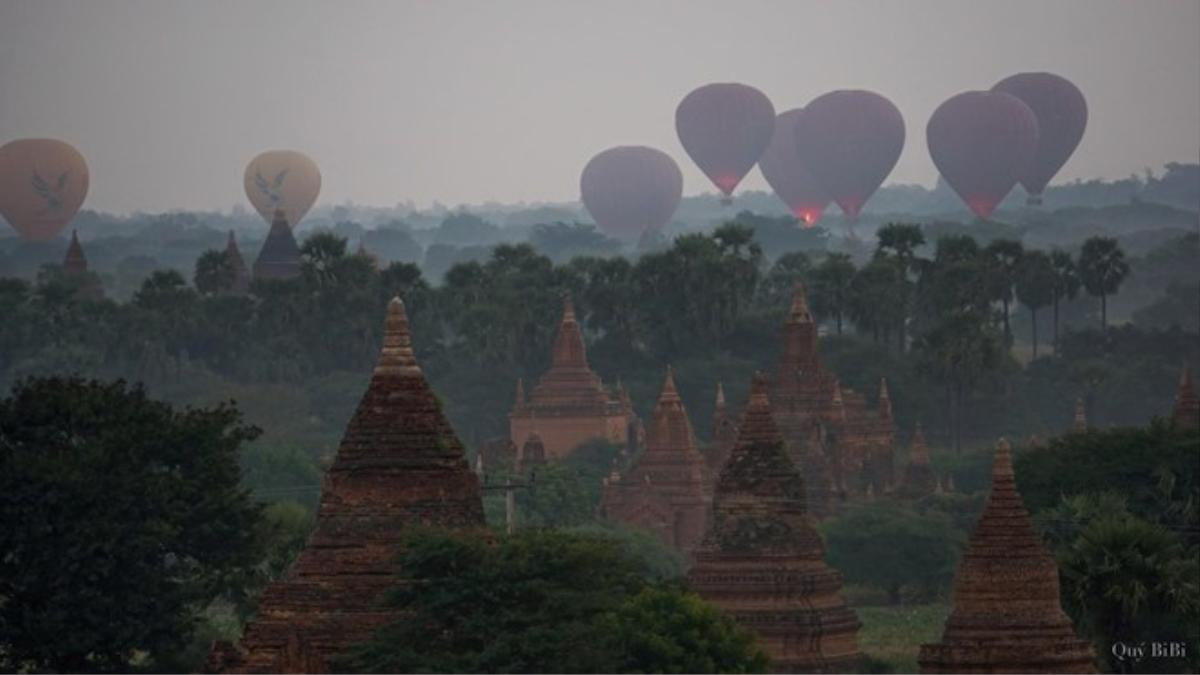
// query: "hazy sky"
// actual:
[[473, 101]]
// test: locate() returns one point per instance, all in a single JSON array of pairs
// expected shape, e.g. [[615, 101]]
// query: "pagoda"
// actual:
[[1186, 414], [75, 267], [570, 404], [399, 464], [279, 258], [855, 444], [1007, 616], [665, 491], [762, 561], [724, 434], [919, 480], [533, 454], [241, 276]]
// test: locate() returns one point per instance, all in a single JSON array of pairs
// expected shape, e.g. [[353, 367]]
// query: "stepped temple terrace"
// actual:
[[762, 560], [570, 406], [399, 464], [1007, 616]]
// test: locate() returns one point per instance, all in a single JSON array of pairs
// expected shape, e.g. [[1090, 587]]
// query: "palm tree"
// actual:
[[830, 293], [1035, 286], [1066, 283], [1102, 268], [1001, 258]]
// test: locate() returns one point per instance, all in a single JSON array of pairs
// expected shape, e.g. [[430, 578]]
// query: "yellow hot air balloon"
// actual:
[[282, 180], [43, 182]]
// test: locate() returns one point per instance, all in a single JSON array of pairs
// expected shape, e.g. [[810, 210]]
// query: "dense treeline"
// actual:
[[949, 322]]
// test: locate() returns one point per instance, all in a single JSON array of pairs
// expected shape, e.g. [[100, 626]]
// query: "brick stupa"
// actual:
[[762, 560], [1186, 414], [853, 445], [665, 490], [570, 406], [241, 275], [399, 464], [75, 267], [1007, 616], [919, 480], [279, 258]]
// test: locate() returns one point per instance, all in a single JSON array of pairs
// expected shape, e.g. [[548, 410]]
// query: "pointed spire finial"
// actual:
[[669, 391], [799, 310], [568, 308], [720, 395], [1003, 466], [397, 356], [758, 390]]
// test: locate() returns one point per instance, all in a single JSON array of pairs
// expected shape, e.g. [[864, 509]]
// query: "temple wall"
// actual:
[[561, 435]]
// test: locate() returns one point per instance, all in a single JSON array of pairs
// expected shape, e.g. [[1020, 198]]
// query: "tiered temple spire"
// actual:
[[1007, 616], [399, 464], [75, 262], [762, 560], [1186, 414], [919, 479], [665, 491], [241, 275], [279, 258], [570, 402]]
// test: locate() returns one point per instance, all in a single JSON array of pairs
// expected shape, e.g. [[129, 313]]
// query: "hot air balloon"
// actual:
[[788, 175], [1062, 116], [850, 139], [725, 128], [981, 141], [282, 180], [631, 189], [43, 182]]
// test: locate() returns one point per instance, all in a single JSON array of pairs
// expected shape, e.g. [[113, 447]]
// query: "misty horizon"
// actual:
[[465, 103]]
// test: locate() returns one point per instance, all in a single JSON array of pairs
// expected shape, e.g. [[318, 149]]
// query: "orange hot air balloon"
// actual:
[[282, 180], [43, 182]]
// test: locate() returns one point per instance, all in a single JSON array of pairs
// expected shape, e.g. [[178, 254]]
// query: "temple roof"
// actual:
[[1007, 615], [279, 257], [570, 385], [241, 275], [75, 262]]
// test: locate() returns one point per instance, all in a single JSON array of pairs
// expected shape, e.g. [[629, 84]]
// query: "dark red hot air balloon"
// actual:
[[980, 142], [789, 176], [1061, 113], [725, 128], [631, 189], [851, 139]]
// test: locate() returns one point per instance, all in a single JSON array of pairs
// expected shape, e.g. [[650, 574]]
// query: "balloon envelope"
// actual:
[[629, 190], [282, 180], [788, 175], [1061, 113], [851, 140], [43, 182], [725, 128], [980, 142]]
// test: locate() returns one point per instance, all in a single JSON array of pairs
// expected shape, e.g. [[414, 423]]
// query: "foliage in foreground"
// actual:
[[121, 516], [542, 601]]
